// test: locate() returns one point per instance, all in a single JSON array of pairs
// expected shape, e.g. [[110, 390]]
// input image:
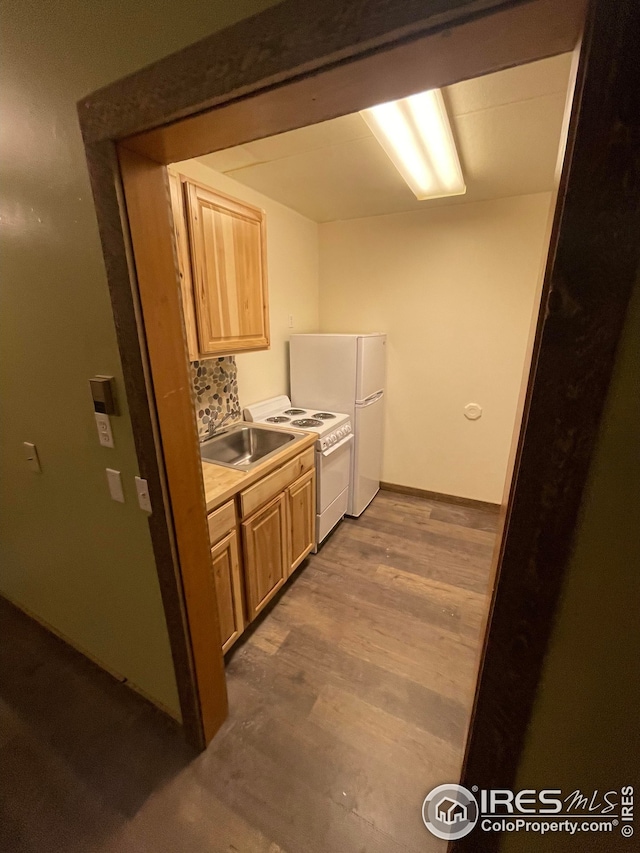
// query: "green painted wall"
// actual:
[[585, 731], [69, 554]]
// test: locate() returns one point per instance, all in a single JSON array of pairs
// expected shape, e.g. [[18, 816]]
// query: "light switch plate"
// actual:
[[115, 485], [31, 457], [144, 501]]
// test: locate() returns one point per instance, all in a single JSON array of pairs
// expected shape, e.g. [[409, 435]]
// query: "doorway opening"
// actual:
[[152, 224], [396, 601]]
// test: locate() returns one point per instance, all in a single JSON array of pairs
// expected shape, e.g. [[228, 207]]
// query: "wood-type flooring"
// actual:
[[350, 699]]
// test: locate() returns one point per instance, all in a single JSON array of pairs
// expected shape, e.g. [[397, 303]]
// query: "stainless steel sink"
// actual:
[[243, 446]]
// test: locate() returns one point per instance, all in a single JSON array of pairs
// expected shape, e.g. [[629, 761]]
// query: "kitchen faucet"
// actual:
[[214, 428]]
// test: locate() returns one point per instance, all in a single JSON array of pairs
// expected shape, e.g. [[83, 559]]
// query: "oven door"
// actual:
[[333, 469]]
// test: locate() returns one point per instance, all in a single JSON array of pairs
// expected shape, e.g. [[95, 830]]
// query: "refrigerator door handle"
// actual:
[[360, 404]]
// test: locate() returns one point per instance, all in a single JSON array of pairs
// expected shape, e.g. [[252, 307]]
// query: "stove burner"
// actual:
[[306, 422], [325, 416], [294, 412], [278, 419]]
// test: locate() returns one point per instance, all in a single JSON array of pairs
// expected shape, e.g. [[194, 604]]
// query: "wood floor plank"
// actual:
[[408, 601], [350, 719], [200, 823], [467, 570], [326, 663], [340, 764], [439, 672], [269, 636], [374, 637], [466, 606], [284, 805], [427, 539], [480, 519], [349, 700]]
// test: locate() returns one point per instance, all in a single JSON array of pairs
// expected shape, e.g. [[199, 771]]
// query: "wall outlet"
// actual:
[[104, 430], [291, 321]]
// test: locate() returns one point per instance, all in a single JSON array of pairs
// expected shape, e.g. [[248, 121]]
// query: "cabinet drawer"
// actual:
[[221, 521], [253, 498]]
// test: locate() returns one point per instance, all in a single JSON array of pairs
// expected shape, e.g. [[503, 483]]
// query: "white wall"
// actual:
[[454, 289], [292, 258]]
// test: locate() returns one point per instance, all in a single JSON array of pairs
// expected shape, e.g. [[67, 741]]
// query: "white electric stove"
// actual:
[[333, 453]]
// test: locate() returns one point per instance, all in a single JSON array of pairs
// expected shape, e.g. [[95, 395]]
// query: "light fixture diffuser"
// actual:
[[416, 135]]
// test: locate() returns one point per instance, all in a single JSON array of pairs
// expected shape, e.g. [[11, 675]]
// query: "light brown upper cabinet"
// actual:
[[221, 244]]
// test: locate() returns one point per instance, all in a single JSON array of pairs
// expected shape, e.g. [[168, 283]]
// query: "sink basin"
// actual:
[[243, 446]]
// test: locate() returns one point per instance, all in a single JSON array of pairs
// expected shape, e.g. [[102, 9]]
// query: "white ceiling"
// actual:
[[507, 128]]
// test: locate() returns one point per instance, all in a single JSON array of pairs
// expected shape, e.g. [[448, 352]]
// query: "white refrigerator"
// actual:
[[346, 373]]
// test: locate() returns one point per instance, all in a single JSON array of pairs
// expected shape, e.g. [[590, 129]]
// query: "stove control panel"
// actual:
[[334, 437]]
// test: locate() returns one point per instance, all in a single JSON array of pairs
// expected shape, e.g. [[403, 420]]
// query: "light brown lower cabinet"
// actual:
[[225, 563], [277, 533], [301, 518], [264, 537]]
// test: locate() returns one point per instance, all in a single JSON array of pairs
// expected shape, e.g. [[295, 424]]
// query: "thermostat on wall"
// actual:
[[104, 398]]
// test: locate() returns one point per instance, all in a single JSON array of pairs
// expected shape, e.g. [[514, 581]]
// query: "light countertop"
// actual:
[[222, 483]]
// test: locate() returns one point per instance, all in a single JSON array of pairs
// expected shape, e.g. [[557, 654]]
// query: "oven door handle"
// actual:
[[337, 446]]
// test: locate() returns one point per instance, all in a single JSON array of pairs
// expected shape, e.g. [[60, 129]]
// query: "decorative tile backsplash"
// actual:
[[215, 389]]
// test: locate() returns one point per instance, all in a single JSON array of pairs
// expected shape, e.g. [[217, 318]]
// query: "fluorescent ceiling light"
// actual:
[[416, 135]]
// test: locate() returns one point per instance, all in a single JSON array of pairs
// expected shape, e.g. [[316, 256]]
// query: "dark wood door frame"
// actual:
[[293, 65], [593, 262]]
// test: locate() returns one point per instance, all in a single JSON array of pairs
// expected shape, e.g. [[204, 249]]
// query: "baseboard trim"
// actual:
[[438, 496], [121, 679]]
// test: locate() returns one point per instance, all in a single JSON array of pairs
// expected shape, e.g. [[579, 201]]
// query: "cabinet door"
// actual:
[[226, 574], [265, 554], [228, 260], [301, 518]]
